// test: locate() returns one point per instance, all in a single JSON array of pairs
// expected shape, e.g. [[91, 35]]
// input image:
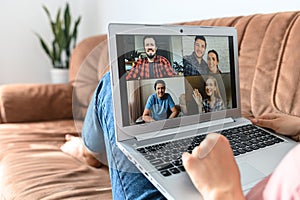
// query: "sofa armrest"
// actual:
[[35, 102]]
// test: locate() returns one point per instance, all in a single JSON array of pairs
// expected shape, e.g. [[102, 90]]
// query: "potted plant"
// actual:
[[64, 41]]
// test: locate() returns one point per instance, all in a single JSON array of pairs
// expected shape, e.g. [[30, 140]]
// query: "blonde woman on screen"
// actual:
[[214, 101]]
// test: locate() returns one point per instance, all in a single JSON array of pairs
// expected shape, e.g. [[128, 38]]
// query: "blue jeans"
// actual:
[[99, 136]]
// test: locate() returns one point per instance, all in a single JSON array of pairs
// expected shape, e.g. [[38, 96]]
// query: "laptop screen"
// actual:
[[164, 78]]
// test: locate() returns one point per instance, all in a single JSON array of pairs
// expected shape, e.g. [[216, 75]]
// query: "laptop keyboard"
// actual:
[[166, 157]]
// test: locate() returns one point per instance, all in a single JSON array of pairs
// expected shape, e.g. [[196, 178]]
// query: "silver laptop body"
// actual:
[[129, 97]]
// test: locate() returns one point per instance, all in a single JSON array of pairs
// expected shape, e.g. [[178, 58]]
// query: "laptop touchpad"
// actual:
[[249, 174]]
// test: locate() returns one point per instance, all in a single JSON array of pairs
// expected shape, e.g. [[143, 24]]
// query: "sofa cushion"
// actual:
[[35, 102], [33, 166], [58, 177]]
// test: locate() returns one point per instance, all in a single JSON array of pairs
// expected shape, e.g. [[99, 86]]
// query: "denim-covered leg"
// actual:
[[127, 182]]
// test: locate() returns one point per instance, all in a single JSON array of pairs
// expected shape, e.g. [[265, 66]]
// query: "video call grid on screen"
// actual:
[[135, 92]]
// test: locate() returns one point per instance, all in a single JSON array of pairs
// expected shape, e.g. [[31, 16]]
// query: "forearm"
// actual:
[[173, 115], [200, 107], [148, 118], [199, 104]]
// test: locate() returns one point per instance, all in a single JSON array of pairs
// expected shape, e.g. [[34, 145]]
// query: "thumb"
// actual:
[[187, 160], [191, 164]]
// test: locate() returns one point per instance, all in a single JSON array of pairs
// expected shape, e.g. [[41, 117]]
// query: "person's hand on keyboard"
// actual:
[[280, 123], [213, 170]]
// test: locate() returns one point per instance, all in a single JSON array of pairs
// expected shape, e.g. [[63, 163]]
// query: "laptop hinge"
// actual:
[[214, 123]]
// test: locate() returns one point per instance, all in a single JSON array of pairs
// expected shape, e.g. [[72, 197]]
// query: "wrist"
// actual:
[[231, 194], [200, 109]]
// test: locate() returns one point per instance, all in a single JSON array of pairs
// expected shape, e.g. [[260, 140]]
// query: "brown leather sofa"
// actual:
[[34, 118]]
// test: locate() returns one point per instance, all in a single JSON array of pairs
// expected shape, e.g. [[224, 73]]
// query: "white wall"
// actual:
[[23, 61], [168, 11]]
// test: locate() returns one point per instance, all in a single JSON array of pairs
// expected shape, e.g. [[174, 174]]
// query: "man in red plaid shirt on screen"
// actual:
[[153, 66]]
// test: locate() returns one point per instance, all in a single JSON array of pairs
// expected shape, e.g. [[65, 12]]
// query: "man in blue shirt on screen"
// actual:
[[160, 104]]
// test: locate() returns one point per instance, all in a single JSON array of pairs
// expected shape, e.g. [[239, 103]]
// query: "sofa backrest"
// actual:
[[89, 61], [268, 62]]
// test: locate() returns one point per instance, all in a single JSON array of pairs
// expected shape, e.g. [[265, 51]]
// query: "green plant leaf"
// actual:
[[67, 20], [46, 48], [75, 30], [63, 38], [56, 55], [47, 12]]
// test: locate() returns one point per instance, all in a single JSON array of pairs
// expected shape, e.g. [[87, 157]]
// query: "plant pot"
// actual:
[[59, 75]]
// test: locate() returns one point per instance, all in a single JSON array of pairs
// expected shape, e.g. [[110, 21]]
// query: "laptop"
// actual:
[[156, 147]]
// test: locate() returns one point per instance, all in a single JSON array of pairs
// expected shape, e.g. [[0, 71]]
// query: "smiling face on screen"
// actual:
[[199, 48], [212, 62], [160, 90], [150, 47], [210, 87]]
